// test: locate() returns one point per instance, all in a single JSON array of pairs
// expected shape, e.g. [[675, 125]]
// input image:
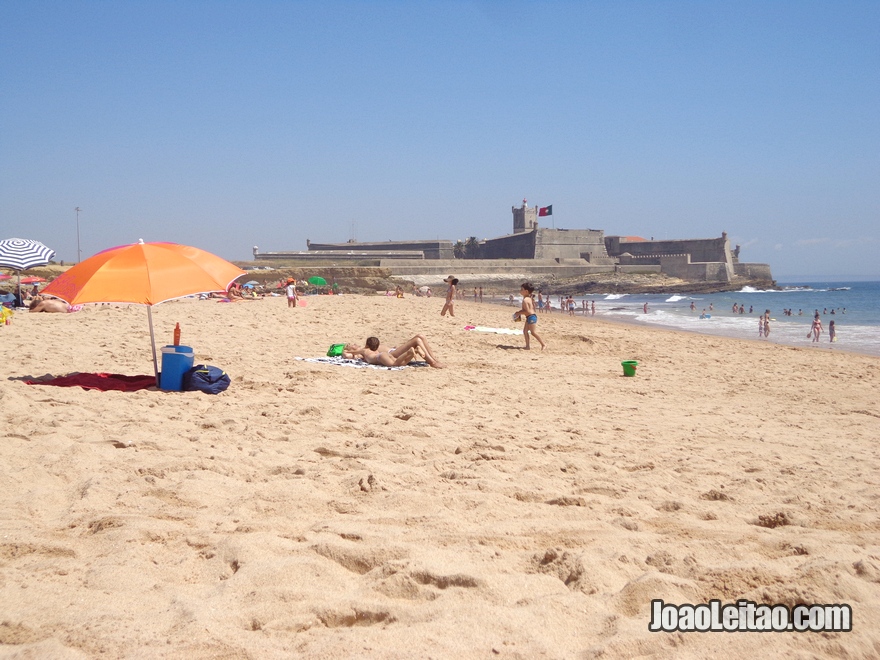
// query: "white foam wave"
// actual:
[[675, 298], [615, 296], [751, 289]]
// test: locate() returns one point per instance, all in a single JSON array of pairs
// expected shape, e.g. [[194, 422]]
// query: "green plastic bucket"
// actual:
[[629, 367]]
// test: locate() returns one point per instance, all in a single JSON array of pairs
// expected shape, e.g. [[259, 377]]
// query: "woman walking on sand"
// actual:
[[450, 297]]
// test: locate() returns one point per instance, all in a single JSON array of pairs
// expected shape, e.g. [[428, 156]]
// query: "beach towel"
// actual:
[[99, 381], [358, 364], [497, 331]]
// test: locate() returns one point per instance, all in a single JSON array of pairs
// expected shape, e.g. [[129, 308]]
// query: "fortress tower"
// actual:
[[524, 219]]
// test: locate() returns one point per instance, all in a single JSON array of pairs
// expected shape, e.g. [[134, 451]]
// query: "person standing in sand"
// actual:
[[291, 293], [528, 309], [450, 297], [832, 332]]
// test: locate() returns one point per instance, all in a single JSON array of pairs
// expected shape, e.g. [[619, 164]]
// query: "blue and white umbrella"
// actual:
[[23, 253]]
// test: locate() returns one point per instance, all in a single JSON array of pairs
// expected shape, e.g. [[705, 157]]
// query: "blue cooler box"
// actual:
[[176, 361]]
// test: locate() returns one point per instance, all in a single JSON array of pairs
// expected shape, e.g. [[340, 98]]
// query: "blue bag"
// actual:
[[205, 378]]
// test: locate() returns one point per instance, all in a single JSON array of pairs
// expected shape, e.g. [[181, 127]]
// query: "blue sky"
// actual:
[[229, 124]]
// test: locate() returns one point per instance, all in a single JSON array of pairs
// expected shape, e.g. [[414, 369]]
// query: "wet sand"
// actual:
[[516, 504]]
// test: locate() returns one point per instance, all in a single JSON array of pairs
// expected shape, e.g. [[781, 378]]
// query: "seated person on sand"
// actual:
[[48, 305], [354, 352], [418, 344]]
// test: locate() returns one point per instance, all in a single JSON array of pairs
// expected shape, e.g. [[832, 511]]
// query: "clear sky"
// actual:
[[231, 124]]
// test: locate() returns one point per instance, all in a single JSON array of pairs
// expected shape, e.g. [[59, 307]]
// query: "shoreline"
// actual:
[[630, 321]]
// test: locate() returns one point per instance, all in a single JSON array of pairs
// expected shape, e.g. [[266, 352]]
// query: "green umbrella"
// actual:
[[318, 281]]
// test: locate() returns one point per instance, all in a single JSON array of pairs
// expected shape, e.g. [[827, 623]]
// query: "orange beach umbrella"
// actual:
[[144, 274]]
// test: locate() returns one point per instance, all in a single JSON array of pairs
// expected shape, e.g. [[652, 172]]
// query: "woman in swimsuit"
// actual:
[[450, 296], [528, 309]]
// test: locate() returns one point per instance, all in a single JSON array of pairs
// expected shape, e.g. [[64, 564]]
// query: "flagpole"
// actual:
[[78, 251]]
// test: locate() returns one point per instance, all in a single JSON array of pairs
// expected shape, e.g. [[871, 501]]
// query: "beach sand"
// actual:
[[514, 505]]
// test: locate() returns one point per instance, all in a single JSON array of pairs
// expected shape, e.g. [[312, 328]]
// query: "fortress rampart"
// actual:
[[535, 250], [430, 249]]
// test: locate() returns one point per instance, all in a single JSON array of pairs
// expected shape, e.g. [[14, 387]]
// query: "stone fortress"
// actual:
[[535, 251]]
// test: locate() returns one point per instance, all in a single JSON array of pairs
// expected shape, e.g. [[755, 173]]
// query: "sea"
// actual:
[[853, 306]]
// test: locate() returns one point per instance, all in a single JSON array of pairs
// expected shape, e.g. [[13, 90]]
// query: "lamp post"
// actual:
[[78, 251]]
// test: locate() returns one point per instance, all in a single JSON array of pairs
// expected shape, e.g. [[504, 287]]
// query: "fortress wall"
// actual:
[[700, 249], [682, 267], [643, 269], [338, 255], [463, 267], [711, 271], [431, 249], [513, 246], [571, 244], [753, 271], [676, 265]]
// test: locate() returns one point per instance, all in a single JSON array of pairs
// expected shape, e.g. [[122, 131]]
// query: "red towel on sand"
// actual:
[[103, 382]]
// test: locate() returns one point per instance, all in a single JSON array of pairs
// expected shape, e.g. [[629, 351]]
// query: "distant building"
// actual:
[[539, 249]]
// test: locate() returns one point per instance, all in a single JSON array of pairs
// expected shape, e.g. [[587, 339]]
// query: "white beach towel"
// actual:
[[497, 331], [358, 364]]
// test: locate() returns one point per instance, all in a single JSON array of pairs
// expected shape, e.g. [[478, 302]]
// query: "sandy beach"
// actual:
[[513, 505]]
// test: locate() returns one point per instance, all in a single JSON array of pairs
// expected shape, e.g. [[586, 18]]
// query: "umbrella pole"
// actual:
[[153, 344]]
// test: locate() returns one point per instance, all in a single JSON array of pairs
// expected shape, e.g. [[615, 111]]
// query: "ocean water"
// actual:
[[856, 316]]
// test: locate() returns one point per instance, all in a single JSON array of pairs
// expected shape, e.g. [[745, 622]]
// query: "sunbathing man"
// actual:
[[418, 344], [48, 305], [354, 352]]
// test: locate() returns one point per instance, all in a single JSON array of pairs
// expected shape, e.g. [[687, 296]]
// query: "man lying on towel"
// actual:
[[355, 352], [397, 356]]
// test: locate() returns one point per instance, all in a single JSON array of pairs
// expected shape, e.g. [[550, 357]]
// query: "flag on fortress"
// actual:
[[545, 210]]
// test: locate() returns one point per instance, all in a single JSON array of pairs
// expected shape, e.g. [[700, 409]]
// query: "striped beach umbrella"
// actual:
[[23, 253]]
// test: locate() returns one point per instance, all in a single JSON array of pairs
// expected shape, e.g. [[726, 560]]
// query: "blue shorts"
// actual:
[[532, 318]]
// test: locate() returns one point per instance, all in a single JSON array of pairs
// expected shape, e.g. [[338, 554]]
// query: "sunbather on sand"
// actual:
[[48, 305], [398, 359], [418, 343]]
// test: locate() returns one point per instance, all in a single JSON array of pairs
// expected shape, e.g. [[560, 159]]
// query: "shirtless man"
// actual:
[[418, 344], [353, 352], [48, 305]]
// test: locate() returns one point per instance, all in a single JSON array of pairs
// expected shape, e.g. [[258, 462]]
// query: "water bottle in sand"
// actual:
[[177, 335]]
